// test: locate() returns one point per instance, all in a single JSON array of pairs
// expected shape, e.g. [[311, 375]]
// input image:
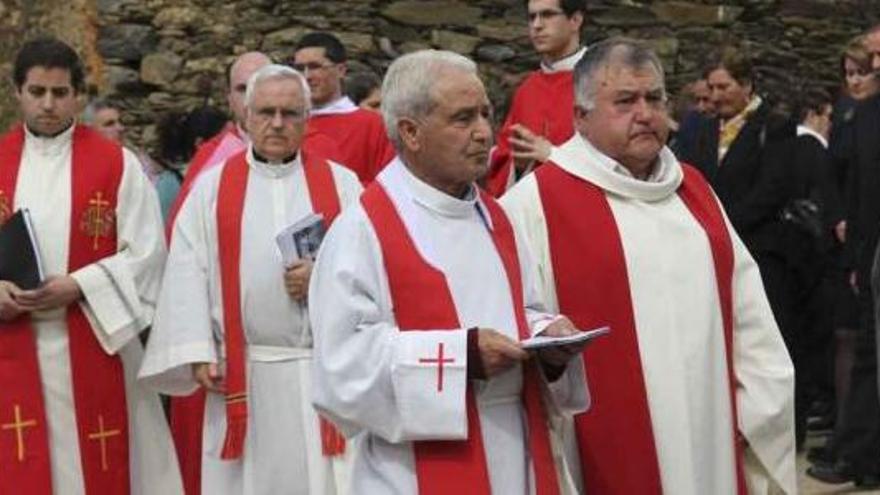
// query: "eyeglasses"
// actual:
[[544, 15], [311, 67], [288, 115]]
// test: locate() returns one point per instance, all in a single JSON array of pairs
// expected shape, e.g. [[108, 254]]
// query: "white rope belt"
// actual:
[[275, 354]]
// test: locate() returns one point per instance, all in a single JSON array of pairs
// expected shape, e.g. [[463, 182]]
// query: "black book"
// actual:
[[19, 253]]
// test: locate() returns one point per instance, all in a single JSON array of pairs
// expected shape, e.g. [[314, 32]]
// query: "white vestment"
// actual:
[[368, 378], [119, 293], [679, 329], [282, 451]]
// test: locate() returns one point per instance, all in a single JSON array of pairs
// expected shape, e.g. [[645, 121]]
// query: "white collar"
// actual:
[[272, 170], [341, 105], [580, 158], [803, 130], [563, 64], [398, 177], [53, 145]]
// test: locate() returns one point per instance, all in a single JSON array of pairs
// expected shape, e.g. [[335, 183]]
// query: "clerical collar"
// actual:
[[803, 130], [49, 145], [272, 169], [566, 63], [434, 199], [341, 105]]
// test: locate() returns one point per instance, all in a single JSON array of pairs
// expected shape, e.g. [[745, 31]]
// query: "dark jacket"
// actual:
[[734, 180], [863, 212]]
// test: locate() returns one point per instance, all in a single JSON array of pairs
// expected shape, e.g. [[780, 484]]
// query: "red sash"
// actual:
[[617, 450], [98, 378], [230, 206], [422, 300]]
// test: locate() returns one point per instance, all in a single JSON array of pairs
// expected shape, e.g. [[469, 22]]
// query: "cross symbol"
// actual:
[[18, 425], [440, 362], [97, 203], [102, 435]]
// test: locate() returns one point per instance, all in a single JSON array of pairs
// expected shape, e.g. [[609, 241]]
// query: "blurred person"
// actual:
[[365, 90]]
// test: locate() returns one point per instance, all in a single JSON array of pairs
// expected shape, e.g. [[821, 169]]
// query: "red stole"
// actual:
[[616, 444], [422, 300], [544, 104], [361, 143], [230, 206], [98, 379]]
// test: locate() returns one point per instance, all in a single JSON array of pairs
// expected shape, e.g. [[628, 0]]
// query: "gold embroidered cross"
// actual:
[[96, 225], [19, 425], [102, 435]]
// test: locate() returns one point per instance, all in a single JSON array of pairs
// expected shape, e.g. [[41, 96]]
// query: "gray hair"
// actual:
[[613, 51], [276, 71], [406, 90], [95, 106]]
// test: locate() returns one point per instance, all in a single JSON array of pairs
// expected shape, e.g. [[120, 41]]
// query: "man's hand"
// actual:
[[527, 147], [208, 375], [498, 352], [296, 279], [9, 307], [58, 291], [558, 357]]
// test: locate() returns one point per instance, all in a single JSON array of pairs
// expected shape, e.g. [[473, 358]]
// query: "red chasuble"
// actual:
[[422, 301], [230, 206], [97, 378], [616, 440], [361, 142], [544, 103]]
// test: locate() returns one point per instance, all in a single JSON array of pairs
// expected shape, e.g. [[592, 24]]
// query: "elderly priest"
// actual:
[[419, 299]]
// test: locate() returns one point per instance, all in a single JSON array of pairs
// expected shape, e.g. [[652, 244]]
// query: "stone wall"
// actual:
[[163, 55]]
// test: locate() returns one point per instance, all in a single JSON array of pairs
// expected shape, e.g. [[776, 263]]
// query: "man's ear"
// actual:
[[409, 132], [343, 69], [578, 18]]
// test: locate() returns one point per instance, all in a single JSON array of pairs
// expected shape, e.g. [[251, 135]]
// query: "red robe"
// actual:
[[544, 103], [361, 142]]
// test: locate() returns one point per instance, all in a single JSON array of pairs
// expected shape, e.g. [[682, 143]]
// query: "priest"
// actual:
[[231, 318], [540, 112], [419, 300], [693, 390], [358, 135], [72, 418]]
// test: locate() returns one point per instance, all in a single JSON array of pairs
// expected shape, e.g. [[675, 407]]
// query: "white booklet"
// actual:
[[301, 239], [544, 341]]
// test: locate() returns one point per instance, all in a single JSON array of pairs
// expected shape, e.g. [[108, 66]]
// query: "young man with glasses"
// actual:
[[359, 135], [540, 114]]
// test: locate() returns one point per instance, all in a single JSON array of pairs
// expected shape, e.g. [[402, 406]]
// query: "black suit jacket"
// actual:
[[735, 178]]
